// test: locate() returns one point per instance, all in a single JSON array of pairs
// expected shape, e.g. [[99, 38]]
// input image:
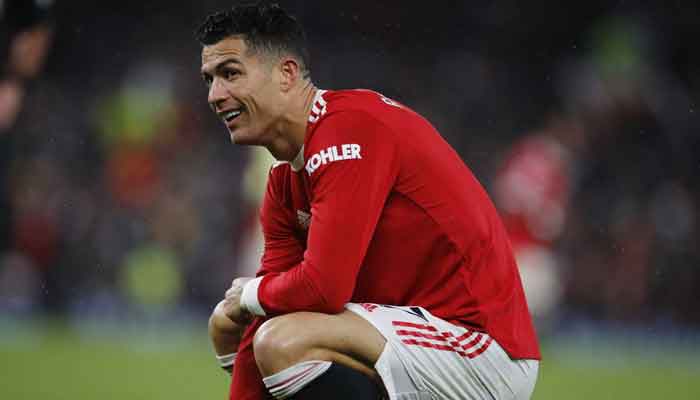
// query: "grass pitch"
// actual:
[[50, 361]]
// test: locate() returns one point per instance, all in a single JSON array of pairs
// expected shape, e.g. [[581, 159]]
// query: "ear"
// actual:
[[290, 73]]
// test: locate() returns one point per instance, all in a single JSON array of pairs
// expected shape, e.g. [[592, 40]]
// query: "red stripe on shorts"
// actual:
[[472, 343], [459, 338], [402, 332], [464, 336], [469, 349], [412, 325], [481, 349]]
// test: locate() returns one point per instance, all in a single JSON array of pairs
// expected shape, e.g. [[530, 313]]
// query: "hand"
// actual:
[[232, 302]]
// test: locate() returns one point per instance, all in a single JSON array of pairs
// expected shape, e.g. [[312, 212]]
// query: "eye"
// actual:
[[230, 74]]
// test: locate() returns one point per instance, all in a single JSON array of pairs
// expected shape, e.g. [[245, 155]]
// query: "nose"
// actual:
[[217, 94]]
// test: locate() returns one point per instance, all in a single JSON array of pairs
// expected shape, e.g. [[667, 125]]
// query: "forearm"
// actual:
[[224, 333], [302, 288]]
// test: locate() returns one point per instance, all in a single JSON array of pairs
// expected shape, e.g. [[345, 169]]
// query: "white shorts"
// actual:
[[426, 357]]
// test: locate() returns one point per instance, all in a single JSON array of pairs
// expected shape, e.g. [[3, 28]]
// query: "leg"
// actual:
[[319, 356], [344, 338]]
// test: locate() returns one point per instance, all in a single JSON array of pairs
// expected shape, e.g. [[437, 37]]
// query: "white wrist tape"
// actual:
[[249, 297]]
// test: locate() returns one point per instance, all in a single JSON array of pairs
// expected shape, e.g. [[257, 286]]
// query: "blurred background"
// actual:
[[125, 212]]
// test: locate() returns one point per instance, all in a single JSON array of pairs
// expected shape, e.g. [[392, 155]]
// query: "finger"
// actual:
[[229, 309], [237, 282], [226, 305]]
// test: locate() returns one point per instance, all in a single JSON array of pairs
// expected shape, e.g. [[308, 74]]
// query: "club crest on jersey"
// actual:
[[331, 154], [304, 219]]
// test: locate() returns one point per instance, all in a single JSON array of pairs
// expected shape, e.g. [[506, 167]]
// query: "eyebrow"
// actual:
[[222, 64]]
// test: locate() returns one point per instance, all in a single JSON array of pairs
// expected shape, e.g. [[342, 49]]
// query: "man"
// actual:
[[384, 260]]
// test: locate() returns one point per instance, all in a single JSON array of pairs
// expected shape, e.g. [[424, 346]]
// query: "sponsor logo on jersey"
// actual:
[[332, 154]]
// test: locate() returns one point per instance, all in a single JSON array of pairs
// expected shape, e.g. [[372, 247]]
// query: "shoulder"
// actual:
[[349, 135], [349, 124], [357, 100], [345, 114], [346, 128]]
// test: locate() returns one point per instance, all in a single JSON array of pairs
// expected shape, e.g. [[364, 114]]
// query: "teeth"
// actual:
[[232, 114]]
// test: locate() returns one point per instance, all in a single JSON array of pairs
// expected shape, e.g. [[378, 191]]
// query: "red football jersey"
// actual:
[[379, 208]]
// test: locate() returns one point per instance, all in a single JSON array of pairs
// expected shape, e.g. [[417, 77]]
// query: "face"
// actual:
[[243, 90]]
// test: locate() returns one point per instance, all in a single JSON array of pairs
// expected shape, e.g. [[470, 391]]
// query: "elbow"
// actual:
[[334, 301], [334, 308], [329, 291]]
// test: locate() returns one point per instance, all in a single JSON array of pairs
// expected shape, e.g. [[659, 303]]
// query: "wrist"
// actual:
[[250, 303]]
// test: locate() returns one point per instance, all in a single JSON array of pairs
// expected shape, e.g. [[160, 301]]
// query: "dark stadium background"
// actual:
[[127, 212]]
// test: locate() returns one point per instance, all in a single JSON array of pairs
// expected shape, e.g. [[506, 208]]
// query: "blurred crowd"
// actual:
[[121, 194]]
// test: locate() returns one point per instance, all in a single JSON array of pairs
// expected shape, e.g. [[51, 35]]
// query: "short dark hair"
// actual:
[[264, 27]]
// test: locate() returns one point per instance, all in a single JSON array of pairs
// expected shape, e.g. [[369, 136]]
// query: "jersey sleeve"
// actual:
[[351, 165], [283, 247]]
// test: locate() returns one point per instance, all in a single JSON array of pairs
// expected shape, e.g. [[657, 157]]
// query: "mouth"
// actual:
[[231, 115]]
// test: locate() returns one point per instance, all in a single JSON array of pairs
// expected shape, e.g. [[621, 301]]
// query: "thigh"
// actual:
[[339, 335], [346, 333]]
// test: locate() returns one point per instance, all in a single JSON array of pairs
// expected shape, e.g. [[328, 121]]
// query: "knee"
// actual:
[[219, 322], [277, 336], [280, 341]]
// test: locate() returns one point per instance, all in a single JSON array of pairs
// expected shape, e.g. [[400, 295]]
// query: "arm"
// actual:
[[225, 335], [283, 249], [348, 195]]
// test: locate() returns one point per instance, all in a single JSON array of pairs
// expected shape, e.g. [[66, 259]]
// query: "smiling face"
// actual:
[[244, 90]]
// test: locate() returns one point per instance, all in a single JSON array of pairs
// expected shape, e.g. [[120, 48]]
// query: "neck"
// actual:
[[287, 144]]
